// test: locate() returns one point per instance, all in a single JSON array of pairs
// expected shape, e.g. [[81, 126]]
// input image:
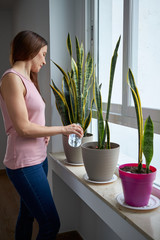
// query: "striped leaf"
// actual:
[[82, 54], [79, 66], [78, 93], [112, 72], [101, 131], [98, 102], [88, 118], [87, 73], [73, 99], [138, 108], [68, 94], [86, 100], [61, 105], [62, 71], [107, 133], [78, 80]]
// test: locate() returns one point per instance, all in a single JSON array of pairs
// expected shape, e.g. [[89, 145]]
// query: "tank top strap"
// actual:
[[11, 70]]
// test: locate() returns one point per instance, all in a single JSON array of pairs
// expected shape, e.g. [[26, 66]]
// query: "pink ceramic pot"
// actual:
[[137, 187]]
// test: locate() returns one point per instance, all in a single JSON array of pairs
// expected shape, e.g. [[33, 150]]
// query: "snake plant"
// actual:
[[73, 101], [145, 134], [103, 127]]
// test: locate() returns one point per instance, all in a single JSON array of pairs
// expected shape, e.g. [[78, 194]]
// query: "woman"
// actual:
[[24, 119]]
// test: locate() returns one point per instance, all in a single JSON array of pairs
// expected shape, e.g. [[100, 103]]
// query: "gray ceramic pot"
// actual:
[[100, 164], [74, 154]]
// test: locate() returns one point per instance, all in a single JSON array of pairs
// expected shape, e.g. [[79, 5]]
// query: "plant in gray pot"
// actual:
[[73, 101], [137, 178], [100, 158]]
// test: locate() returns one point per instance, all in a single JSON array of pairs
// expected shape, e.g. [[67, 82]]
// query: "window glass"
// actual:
[[110, 28], [146, 51]]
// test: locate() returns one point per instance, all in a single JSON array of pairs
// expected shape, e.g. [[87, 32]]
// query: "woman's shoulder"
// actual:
[[10, 70], [8, 74], [10, 78], [11, 85]]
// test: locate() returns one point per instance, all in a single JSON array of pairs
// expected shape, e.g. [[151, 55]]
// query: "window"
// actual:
[[110, 20], [138, 23], [146, 50]]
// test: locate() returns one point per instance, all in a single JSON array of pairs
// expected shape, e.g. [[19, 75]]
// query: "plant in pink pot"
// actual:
[[137, 179]]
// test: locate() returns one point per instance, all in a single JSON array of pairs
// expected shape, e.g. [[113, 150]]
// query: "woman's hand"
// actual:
[[73, 129]]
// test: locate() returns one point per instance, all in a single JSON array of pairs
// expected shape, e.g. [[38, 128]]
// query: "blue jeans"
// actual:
[[35, 202]]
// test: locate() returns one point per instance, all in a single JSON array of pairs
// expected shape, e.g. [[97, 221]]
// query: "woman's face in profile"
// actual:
[[39, 60]]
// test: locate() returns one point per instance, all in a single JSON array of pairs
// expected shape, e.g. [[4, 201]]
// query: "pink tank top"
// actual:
[[21, 151]]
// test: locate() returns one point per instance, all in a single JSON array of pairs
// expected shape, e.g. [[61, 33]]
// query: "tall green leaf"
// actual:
[[79, 66], [107, 132], [112, 71], [78, 93], [147, 143], [86, 99], [73, 99], [88, 118], [98, 103], [69, 45], [82, 54], [138, 108], [79, 82], [87, 73]]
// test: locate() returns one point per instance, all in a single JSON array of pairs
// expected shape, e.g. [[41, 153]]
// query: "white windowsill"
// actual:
[[102, 200]]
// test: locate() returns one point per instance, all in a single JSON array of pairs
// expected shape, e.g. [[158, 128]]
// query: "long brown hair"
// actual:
[[25, 46]]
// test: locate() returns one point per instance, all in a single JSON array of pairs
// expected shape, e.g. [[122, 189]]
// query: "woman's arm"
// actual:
[[13, 92]]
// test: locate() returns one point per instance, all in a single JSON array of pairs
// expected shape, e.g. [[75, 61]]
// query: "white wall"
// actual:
[[5, 33], [25, 15], [66, 16], [34, 16], [76, 215]]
